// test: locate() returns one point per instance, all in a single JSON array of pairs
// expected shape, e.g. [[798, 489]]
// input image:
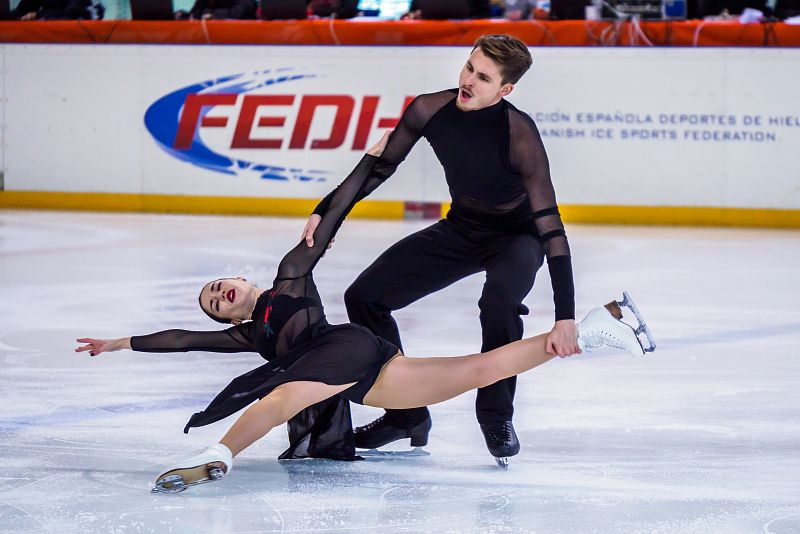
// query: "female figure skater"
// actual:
[[310, 360]]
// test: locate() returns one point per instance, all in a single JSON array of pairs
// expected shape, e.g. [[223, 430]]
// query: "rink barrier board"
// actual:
[[122, 202], [98, 138], [400, 33], [389, 209]]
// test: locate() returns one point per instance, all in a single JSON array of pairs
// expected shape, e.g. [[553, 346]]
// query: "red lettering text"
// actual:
[[365, 118], [241, 137], [344, 110], [191, 111], [392, 122]]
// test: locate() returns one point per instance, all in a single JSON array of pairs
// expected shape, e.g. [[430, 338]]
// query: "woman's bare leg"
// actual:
[[411, 382], [280, 405]]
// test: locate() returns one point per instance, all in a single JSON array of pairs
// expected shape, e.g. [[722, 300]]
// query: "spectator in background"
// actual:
[[478, 9], [57, 10], [519, 9], [223, 9], [339, 9]]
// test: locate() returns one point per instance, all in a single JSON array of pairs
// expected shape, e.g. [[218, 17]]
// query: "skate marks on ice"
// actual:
[[65, 416], [109, 499], [731, 336], [700, 437], [392, 497], [785, 524], [387, 454]]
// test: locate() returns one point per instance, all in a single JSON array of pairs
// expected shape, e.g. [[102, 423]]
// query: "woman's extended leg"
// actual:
[[411, 382], [280, 405]]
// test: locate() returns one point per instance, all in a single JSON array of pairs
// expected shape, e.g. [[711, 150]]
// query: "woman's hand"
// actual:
[[314, 220], [97, 346], [377, 149]]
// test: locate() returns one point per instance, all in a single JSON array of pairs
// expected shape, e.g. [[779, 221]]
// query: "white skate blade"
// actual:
[[177, 480], [377, 453], [627, 302], [502, 461]]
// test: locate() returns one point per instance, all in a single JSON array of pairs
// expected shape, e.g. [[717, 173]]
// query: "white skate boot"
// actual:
[[211, 465], [601, 328]]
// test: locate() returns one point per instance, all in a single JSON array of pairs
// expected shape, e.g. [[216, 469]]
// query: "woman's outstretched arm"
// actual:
[[302, 258], [233, 339], [98, 346]]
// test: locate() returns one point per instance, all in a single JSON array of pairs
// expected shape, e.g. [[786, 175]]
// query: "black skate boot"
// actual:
[[501, 440], [387, 429]]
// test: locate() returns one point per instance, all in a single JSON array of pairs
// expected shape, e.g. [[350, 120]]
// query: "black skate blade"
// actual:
[[502, 461], [377, 453], [627, 302]]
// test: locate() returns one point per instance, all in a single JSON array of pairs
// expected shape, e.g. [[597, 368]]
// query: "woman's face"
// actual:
[[229, 298]]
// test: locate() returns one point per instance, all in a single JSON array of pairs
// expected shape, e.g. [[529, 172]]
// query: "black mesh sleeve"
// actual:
[[528, 157], [234, 339], [302, 258], [364, 179], [404, 136]]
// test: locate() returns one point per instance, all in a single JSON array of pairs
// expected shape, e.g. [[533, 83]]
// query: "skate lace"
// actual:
[[598, 338], [372, 425], [500, 433]]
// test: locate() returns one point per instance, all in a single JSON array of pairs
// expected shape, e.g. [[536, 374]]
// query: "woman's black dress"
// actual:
[[289, 330]]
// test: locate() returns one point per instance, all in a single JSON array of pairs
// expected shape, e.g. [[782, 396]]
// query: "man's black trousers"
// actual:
[[434, 258]]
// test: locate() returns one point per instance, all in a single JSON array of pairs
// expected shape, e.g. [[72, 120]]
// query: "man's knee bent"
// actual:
[[501, 307], [357, 296]]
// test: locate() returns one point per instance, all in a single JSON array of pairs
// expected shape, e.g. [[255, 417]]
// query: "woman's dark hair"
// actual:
[[509, 52], [207, 312]]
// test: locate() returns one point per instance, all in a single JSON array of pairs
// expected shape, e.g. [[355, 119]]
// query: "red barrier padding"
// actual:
[[398, 33]]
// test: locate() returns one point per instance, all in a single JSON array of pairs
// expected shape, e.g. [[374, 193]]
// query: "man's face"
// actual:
[[480, 83]]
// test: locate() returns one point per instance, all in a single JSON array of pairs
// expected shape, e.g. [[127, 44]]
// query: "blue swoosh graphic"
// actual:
[[162, 117]]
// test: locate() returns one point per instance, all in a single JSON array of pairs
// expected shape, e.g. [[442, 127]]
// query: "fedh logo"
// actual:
[[259, 112]]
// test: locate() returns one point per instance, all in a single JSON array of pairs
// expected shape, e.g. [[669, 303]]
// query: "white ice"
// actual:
[[701, 436]]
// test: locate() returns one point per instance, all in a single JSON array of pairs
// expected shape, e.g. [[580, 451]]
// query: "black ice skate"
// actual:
[[501, 440], [385, 430]]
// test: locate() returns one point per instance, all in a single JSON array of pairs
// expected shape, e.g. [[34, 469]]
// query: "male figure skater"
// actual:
[[502, 218]]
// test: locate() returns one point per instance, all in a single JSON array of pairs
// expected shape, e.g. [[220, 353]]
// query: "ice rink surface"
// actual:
[[701, 436]]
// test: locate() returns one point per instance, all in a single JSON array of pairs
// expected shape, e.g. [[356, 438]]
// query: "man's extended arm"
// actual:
[[529, 157], [402, 140]]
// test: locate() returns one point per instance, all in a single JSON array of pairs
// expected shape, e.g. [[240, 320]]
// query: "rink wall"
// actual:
[[646, 136]]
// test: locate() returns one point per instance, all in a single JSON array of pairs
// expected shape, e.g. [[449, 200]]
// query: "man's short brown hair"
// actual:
[[509, 52]]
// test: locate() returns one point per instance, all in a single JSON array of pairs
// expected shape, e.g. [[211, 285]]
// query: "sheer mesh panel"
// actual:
[[409, 130], [403, 138], [527, 155], [234, 339], [293, 280]]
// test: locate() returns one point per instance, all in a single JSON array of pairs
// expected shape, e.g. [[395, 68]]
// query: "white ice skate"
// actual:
[[211, 465], [601, 328]]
